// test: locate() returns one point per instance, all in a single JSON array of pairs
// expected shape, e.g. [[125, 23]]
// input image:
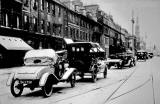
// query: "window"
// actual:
[[42, 26], [35, 24], [86, 36], [77, 34], [26, 22], [6, 19], [59, 11], [35, 4], [53, 9], [48, 7], [54, 29], [60, 28], [48, 27], [17, 22], [42, 4]]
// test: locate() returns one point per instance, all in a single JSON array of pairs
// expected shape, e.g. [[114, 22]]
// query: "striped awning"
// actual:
[[13, 43]]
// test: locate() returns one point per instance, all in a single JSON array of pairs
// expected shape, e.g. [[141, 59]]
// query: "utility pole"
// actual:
[[132, 37], [132, 20]]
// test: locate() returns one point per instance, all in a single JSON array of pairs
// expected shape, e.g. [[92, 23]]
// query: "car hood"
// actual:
[[30, 69]]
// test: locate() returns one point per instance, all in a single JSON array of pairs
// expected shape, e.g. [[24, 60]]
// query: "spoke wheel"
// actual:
[[72, 79], [16, 88], [105, 72], [47, 88], [131, 64], [94, 77]]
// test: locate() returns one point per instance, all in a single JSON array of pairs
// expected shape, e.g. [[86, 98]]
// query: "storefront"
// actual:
[[12, 51]]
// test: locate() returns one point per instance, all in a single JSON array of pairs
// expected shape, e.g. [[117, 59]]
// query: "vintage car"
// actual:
[[142, 55], [120, 60], [43, 68], [128, 59], [88, 58], [150, 54]]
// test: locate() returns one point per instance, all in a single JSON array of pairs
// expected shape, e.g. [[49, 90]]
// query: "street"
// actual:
[[136, 85]]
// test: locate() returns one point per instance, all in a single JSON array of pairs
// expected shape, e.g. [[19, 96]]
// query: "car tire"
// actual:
[[94, 77], [15, 85], [72, 79], [47, 88], [131, 64], [105, 72]]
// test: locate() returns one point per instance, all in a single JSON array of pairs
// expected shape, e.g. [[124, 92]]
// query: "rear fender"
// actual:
[[45, 77], [10, 79]]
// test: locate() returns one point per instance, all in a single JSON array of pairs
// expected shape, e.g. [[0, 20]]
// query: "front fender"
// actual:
[[10, 79], [68, 72]]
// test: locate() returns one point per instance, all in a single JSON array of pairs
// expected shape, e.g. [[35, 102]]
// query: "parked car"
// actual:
[[87, 57], [122, 59], [42, 69], [142, 55], [150, 54]]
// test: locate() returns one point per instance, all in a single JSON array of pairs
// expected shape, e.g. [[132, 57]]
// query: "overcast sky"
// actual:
[[148, 12]]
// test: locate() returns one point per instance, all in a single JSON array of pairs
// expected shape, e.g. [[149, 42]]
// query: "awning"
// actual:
[[19, 1], [13, 43]]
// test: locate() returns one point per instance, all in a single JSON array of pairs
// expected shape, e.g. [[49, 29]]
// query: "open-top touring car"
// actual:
[[43, 68]]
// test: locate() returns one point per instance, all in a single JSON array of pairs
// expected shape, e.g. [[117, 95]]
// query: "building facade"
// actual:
[[38, 22]]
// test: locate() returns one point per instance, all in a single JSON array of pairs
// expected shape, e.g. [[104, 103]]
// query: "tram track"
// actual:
[[94, 89], [111, 95], [99, 88], [154, 100]]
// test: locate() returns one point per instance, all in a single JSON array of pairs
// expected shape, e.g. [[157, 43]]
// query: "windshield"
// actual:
[[38, 61]]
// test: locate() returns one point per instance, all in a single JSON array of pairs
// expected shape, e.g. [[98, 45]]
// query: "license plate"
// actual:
[[26, 82]]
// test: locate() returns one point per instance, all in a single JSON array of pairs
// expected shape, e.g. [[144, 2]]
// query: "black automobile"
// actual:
[[87, 58], [127, 58], [150, 54], [142, 55]]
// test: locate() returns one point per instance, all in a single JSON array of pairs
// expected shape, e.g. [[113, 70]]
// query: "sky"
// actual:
[[147, 11]]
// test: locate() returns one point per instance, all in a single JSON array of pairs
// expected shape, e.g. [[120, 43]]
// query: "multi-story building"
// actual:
[[33, 19], [38, 22]]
